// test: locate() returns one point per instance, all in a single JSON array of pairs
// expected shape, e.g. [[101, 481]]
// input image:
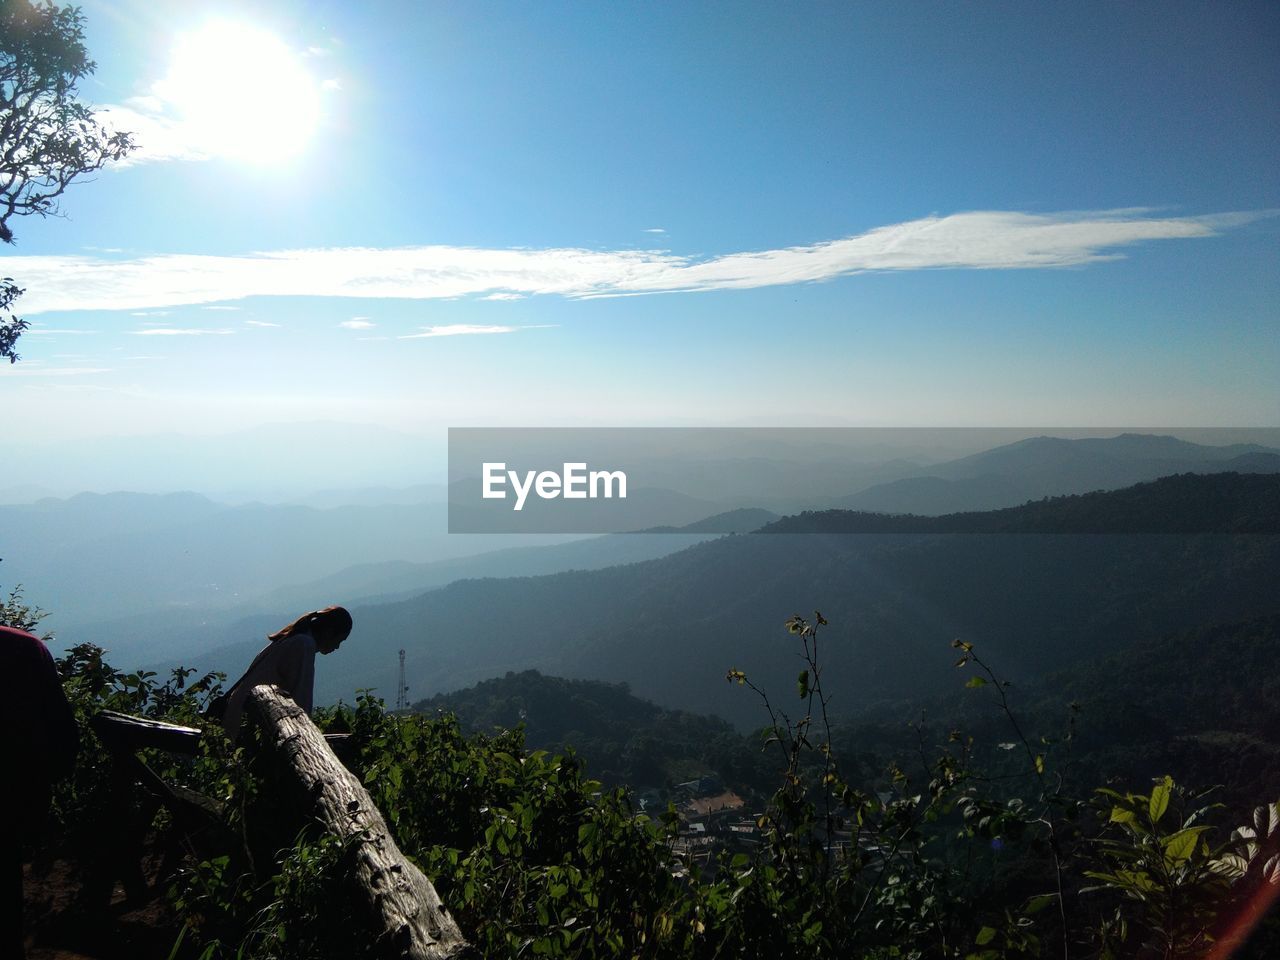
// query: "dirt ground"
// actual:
[[60, 926]]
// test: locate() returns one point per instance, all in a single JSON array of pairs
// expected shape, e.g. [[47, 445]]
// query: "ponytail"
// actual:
[[333, 619]]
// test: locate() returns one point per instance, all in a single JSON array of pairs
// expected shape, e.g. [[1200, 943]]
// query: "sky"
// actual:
[[414, 216]]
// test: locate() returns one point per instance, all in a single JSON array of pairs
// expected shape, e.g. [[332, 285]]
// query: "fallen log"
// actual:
[[406, 919]]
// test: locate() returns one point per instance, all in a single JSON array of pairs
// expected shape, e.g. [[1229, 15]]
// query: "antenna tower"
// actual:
[[402, 688]]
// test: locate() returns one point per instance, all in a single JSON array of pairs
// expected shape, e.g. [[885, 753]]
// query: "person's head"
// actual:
[[328, 627]]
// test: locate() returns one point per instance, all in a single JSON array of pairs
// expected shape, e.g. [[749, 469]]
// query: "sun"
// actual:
[[239, 92]]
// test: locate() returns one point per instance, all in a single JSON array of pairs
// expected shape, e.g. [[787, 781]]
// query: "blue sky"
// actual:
[[529, 214]]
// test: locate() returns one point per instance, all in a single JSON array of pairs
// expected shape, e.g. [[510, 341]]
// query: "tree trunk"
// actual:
[[405, 915]]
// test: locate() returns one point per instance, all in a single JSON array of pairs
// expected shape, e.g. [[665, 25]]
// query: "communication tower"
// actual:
[[402, 688]]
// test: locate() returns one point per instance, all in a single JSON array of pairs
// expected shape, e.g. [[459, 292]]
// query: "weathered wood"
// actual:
[[407, 919], [199, 820], [120, 731]]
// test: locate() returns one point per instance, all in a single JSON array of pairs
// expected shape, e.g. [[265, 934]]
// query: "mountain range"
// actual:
[[168, 578], [672, 626]]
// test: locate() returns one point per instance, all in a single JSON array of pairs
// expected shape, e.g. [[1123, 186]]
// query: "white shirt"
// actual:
[[290, 664]]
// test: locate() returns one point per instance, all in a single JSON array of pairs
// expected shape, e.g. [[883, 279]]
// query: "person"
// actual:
[[41, 741], [289, 661]]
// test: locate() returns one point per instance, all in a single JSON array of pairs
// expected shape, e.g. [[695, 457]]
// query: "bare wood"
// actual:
[[124, 732], [407, 919]]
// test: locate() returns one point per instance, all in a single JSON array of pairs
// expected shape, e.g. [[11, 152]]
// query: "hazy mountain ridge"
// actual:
[[1051, 466], [153, 575], [200, 629], [100, 556], [672, 626], [1226, 502]]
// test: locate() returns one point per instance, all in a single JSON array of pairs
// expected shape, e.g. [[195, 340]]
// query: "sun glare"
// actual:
[[241, 93]]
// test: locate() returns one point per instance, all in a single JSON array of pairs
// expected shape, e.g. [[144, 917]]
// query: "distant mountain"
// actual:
[[625, 740], [367, 496], [746, 520], [1051, 466], [259, 464], [643, 508], [1184, 503], [167, 635], [95, 557], [671, 627]]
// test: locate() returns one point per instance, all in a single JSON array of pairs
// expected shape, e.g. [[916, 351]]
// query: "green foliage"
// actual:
[[83, 804], [16, 612], [48, 137], [1158, 857], [530, 854], [947, 856], [11, 326]]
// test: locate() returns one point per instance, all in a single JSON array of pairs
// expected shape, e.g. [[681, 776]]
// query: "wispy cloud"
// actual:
[[39, 330], [504, 296], [357, 323], [28, 369], [457, 330], [654, 230], [219, 306], [179, 332], [991, 240], [260, 323], [156, 135]]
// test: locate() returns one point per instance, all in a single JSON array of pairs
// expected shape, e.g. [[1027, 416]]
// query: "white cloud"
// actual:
[[179, 332], [26, 369], [654, 230], [504, 296], [971, 241], [156, 137], [260, 323], [457, 330], [219, 306], [357, 323]]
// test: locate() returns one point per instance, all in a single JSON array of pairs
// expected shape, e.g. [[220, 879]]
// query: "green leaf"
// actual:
[[1266, 819], [1036, 904], [976, 682], [1039, 763], [1229, 865], [1159, 801], [1122, 815], [802, 683], [985, 936], [1179, 847], [1271, 870]]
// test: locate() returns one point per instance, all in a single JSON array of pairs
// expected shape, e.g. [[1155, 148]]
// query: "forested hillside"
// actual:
[[670, 627]]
